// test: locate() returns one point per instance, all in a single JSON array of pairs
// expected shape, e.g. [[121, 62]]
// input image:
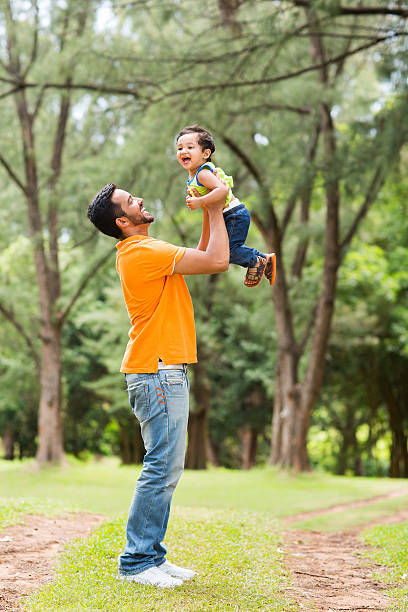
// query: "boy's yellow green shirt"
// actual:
[[202, 190]]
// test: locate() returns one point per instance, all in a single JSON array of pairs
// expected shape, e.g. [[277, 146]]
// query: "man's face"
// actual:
[[132, 207]]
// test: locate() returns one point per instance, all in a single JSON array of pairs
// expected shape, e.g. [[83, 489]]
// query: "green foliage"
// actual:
[[235, 554], [151, 53], [367, 356], [390, 544]]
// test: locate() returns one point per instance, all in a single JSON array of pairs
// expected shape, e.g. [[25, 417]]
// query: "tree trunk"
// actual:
[[41, 224], [125, 444], [8, 444], [138, 446], [213, 452], [50, 447], [249, 440], [348, 432], [399, 450]]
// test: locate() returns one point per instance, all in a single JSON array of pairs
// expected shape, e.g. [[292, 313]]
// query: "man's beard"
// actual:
[[141, 219]]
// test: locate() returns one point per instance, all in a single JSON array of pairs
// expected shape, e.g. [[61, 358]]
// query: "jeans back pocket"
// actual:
[[139, 400]]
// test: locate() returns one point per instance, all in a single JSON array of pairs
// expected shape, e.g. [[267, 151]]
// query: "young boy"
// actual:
[[194, 149]]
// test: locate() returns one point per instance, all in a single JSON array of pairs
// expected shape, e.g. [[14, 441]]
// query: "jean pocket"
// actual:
[[175, 382], [139, 400]]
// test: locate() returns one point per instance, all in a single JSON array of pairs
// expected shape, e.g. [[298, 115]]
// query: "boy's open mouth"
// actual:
[[185, 159]]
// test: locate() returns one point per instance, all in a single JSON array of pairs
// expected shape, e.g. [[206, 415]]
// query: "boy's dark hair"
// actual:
[[205, 140], [102, 212]]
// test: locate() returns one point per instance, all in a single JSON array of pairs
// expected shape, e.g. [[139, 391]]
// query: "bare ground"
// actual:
[[328, 570], [27, 553]]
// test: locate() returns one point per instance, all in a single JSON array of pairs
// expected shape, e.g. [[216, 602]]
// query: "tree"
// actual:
[[42, 119], [327, 147]]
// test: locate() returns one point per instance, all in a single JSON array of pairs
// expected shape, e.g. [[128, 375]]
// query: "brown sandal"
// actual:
[[254, 275], [270, 270]]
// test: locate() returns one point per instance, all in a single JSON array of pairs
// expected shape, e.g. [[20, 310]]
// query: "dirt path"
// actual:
[[328, 570], [329, 573], [27, 552]]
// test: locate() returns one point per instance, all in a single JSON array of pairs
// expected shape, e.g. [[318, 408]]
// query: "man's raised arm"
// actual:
[[215, 257]]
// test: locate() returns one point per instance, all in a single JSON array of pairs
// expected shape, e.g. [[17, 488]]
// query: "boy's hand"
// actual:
[[192, 203], [191, 199]]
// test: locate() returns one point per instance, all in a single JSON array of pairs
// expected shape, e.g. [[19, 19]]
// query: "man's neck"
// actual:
[[137, 230]]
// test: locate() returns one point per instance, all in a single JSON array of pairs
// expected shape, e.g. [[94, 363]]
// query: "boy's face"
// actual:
[[190, 155]]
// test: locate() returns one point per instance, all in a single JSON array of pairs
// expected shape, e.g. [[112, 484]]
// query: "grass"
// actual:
[[106, 488], [12, 511], [352, 517], [390, 544], [236, 555]]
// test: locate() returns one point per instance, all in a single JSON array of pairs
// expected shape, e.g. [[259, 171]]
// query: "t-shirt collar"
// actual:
[[135, 238]]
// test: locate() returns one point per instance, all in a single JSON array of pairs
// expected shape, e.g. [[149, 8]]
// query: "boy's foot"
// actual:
[[270, 270], [153, 576], [254, 275], [176, 571]]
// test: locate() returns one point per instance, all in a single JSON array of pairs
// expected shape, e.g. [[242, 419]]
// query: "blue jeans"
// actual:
[[160, 402], [237, 222]]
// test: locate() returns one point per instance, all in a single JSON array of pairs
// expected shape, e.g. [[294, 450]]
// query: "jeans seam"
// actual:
[[162, 474]]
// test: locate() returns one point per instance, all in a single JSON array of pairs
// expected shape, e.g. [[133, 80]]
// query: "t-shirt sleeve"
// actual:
[[152, 260]]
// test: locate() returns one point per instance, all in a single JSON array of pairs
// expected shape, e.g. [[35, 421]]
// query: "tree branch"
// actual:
[[283, 77], [131, 91], [359, 10], [62, 316], [34, 47], [308, 330], [309, 157], [375, 185], [300, 110], [12, 174], [10, 92], [259, 179], [10, 316], [135, 92]]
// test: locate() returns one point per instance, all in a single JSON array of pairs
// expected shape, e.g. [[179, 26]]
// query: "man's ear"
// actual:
[[122, 222]]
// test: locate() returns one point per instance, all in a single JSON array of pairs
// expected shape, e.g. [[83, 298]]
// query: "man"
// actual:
[[161, 344]]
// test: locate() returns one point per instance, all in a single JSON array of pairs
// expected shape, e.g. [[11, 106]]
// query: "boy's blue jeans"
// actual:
[[160, 402], [237, 222]]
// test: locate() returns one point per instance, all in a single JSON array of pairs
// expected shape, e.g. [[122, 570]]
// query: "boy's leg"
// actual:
[[237, 223], [160, 403]]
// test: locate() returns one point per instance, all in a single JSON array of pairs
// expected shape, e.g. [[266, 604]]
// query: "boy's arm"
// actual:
[[218, 190]]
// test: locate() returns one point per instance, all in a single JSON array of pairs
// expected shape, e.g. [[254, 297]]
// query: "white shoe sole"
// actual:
[[170, 584]]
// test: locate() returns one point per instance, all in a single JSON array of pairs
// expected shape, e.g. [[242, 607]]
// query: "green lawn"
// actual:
[[390, 543], [107, 488]]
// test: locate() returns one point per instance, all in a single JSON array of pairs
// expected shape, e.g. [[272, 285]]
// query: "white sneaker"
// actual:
[[177, 572], [153, 576]]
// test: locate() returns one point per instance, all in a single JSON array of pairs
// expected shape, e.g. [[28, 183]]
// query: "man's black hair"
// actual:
[[205, 140], [103, 212]]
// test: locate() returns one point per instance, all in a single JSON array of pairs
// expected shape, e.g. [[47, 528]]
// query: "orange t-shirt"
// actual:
[[158, 303]]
